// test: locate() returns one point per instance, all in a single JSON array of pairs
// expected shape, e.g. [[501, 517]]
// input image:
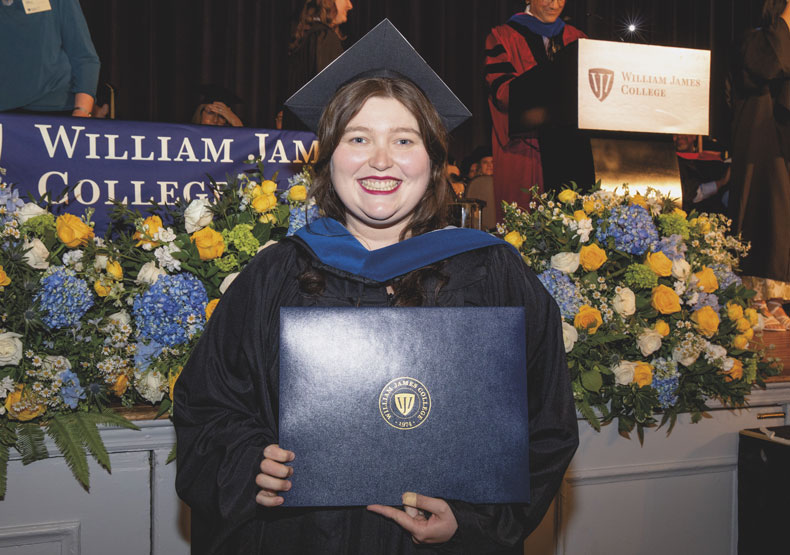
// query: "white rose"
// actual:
[[728, 364], [624, 302], [227, 281], [36, 257], [267, 244], [565, 262], [10, 349], [649, 341], [680, 269], [197, 215], [30, 210], [149, 273], [684, 357], [624, 372], [100, 263], [149, 385], [120, 318], [569, 336], [715, 351]]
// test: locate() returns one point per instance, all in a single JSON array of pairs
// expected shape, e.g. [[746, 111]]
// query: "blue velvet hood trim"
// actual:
[[335, 246], [537, 26]]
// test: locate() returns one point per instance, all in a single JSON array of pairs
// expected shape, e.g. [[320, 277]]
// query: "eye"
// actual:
[[404, 142], [357, 140]]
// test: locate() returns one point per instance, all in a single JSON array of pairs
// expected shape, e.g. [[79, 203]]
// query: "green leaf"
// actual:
[[30, 443], [589, 414], [89, 434], [60, 429], [3, 469], [110, 418], [592, 380], [172, 455], [164, 407]]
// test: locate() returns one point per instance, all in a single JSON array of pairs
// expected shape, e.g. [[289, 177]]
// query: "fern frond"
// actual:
[[60, 429], [109, 418], [87, 431], [172, 455], [30, 443], [3, 469]]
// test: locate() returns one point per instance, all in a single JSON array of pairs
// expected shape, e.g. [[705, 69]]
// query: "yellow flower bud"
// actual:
[[707, 321], [638, 200], [751, 315], [72, 231], [120, 385], [734, 373], [567, 196], [661, 327], [210, 306], [209, 243], [4, 279], [151, 225], [680, 212], [748, 334], [743, 324], [297, 193], [734, 311], [264, 203], [588, 318], [515, 239], [665, 300], [740, 342], [113, 268], [101, 289], [268, 187], [659, 263], [267, 218], [707, 280], [579, 215], [592, 257], [643, 374]]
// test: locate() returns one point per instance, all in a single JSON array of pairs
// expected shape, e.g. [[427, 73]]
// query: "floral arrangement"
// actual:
[[655, 321], [88, 323]]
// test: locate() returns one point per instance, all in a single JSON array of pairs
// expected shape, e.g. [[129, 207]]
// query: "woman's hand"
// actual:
[[438, 528], [274, 475], [222, 110]]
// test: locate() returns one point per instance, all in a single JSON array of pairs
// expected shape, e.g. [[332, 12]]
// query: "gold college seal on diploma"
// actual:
[[601, 81], [405, 403]]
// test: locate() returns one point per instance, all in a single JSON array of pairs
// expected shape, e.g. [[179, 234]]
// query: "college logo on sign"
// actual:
[[404, 403], [601, 81]]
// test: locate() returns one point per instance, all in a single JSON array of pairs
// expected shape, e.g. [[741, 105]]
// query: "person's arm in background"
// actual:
[[82, 55]]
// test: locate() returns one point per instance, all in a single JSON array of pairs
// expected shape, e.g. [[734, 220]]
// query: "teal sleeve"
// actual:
[[79, 48]]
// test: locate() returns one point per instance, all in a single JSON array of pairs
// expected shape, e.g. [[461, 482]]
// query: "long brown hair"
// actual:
[[324, 11], [431, 212]]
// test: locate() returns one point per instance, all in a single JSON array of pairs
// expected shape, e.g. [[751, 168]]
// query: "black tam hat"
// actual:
[[382, 52]]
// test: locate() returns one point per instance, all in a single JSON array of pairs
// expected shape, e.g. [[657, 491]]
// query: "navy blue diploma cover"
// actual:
[[379, 401]]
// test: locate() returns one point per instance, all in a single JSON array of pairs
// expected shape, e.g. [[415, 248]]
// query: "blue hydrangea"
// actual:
[[9, 199], [171, 310], [71, 392], [631, 227], [707, 299], [673, 247], [63, 298], [300, 216], [665, 381], [563, 290], [725, 276], [146, 353]]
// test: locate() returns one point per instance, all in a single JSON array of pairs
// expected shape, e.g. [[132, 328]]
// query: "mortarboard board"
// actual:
[[382, 51]]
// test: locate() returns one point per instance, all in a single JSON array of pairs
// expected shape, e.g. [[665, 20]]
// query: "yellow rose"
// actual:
[[665, 300], [579, 215], [659, 263], [209, 243], [268, 186], [661, 327], [120, 385], [740, 341], [101, 289], [734, 311], [210, 306], [114, 269], [515, 239], [751, 315], [72, 231], [297, 193], [592, 257], [680, 212], [151, 225], [707, 320], [703, 224], [748, 334], [267, 218], [567, 196], [4, 279], [173, 379], [707, 280], [22, 413], [592, 206], [734, 373], [588, 318], [742, 325], [643, 374], [264, 203], [639, 200]]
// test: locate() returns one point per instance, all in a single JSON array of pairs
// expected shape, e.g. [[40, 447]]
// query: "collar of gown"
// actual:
[[537, 26], [334, 245]]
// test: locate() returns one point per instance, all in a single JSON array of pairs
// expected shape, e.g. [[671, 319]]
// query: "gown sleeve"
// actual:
[[766, 54], [553, 429], [225, 406]]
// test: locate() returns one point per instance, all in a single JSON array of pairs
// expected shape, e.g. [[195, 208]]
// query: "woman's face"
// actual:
[[380, 168], [547, 10], [343, 7]]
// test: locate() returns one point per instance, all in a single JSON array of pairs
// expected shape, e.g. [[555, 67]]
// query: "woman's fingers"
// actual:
[[274, 475], [276, 453]]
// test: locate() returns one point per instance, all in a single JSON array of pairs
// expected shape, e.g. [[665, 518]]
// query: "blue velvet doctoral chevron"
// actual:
[[335, 246], [378, 401]]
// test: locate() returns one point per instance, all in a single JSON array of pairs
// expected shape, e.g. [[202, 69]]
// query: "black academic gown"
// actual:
[[226, 406]]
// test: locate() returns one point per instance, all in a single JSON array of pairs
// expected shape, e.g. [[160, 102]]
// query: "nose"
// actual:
[[380, 158]]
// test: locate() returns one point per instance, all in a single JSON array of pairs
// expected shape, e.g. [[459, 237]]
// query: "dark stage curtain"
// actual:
[[157, 52]]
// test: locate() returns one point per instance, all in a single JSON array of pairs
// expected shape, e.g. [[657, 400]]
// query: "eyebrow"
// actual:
[[358, 128]]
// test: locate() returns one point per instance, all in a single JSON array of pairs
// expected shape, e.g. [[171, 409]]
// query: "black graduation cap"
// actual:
[[212, 92], [382, 51]]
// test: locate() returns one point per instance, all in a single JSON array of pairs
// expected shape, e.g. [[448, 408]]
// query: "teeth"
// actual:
[[379, 184]]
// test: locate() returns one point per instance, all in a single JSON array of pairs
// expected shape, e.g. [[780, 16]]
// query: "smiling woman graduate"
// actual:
[[381, 116]]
